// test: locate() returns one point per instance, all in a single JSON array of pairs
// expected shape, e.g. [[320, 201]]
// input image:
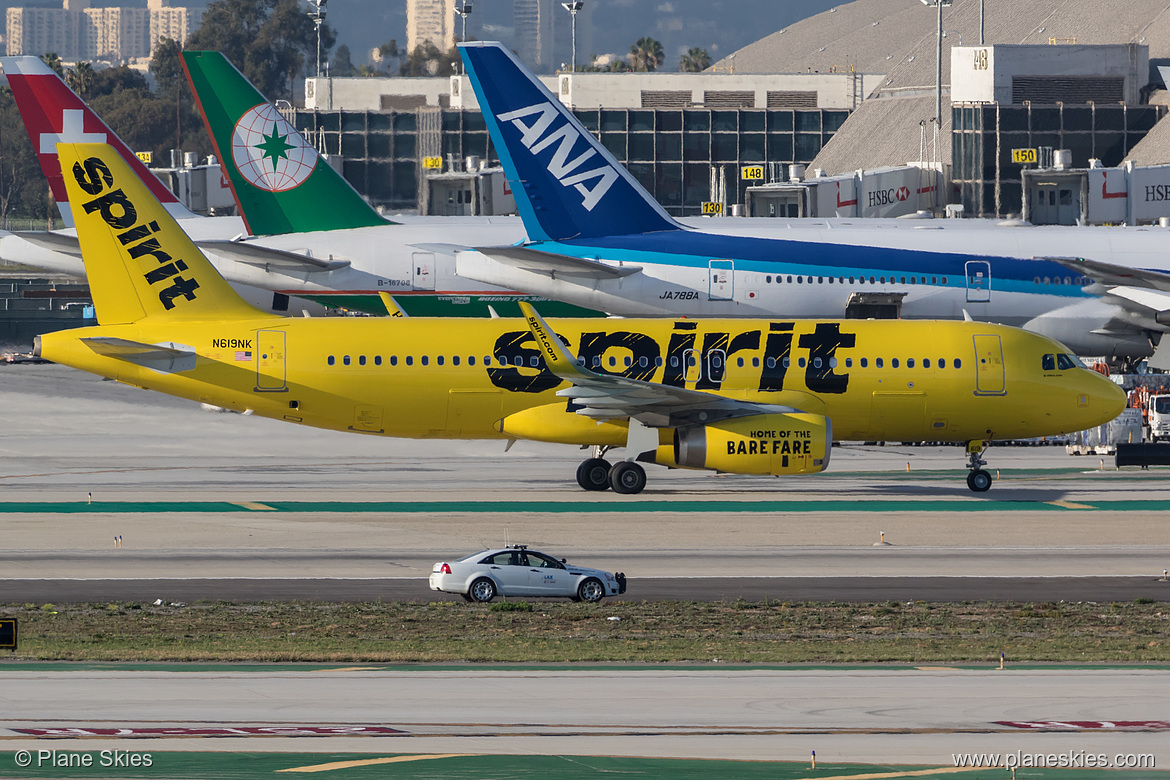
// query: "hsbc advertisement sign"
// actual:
[[885, 192]]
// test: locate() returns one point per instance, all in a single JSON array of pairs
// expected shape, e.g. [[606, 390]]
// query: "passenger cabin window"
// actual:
[[425, 360], [877, 363], [377, 360], [361, 360], [957, 363], [345, 360], [330, 360]]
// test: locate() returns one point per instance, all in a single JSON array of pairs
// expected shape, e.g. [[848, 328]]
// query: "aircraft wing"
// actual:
[[54, 242], [1144, 301], [1112, 274], [160, 357], [278, 259], [555, 265], [606, 396], [1143, 291]]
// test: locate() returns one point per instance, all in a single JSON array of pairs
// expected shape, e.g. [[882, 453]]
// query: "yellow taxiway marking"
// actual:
[[942, 770], [1070, 505], [393, 760], [254, 506]]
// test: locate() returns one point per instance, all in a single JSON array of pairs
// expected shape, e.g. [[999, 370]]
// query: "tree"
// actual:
[[428, 60], [167, 69], [696, 60], [646, 55], [342, 63], [269, 40], [53, 61], [23, 189], [80, 78]]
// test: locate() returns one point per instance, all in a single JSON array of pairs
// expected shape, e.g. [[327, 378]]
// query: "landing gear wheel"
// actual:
[[591, 591], [979, 481], [593, 474], [627, 477], [482, 590]]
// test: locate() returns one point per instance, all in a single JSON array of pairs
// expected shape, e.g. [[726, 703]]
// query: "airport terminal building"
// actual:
[[849, 90]]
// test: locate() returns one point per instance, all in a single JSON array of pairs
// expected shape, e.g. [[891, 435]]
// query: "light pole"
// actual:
[[573, 7], [318, 16], [938, 62], [464, 11]]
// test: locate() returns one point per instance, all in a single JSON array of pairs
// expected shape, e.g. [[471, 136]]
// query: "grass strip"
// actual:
[[631, 632]]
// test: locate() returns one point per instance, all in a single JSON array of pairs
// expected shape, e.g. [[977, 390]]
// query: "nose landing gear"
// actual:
[[977, 479]]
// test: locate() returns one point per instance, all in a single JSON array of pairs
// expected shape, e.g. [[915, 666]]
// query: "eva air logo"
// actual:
[[268, 152]]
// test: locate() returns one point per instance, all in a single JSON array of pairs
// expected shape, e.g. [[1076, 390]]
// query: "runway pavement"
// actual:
[[865, 715], [208, 504], [233, 506]]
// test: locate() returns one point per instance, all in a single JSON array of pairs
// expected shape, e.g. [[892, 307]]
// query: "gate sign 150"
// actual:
[[1024, 156]]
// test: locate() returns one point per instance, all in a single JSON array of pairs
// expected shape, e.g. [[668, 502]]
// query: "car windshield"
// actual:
[[1162, 404]]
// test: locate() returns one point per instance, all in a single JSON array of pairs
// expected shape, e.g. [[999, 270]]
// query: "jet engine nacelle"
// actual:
[[796, 443]]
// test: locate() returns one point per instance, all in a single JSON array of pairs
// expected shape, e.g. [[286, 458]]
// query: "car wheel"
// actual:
[[482, 590], [591, 591]]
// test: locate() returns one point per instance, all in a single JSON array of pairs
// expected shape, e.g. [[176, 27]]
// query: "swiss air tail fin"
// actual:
[[280, 182], [138, 260], [567, 185], [53, 113]]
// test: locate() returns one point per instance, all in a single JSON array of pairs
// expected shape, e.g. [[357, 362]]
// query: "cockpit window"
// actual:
[[1065, 362], [1048, 363]]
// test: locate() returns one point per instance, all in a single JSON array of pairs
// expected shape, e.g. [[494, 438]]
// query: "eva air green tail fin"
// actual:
[[280, 182]]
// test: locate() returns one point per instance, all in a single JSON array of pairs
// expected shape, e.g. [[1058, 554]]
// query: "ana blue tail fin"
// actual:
[[567, 185]]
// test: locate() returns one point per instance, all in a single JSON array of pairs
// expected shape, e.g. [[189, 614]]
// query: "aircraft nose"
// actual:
[[1104, 399]]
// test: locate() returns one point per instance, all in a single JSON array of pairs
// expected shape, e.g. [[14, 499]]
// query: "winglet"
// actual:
[[567, 184], [392, 307], [556, 357]]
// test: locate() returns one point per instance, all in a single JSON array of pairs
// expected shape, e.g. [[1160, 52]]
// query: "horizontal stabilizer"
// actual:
[[268, 257], [160, 357], [440, 249], [555, 265], [54, 242]]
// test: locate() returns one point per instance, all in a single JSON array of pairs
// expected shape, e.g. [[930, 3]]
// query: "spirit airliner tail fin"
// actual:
[[53, 113], [567, 185], [138, 260], [280, 182]]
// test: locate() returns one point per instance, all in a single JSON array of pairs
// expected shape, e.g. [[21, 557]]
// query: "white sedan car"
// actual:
[[518, 571]]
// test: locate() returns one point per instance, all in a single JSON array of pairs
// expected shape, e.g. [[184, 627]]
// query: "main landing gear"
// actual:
[[625, 477], [977, 479]]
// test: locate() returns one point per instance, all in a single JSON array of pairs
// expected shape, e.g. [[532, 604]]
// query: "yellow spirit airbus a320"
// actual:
[[740, 396]]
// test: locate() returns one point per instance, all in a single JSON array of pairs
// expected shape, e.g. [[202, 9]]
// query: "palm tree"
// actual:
[[646, 55], [53, 61], [696, 60], [80, 78]]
